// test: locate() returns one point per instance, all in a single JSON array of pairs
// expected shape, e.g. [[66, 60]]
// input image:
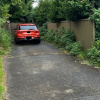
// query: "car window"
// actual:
[[27, 27]]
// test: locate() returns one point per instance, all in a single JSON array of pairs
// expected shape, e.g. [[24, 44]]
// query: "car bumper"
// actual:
[[28, 39]]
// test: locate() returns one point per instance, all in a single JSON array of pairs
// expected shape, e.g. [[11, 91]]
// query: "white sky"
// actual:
[[35, 4]]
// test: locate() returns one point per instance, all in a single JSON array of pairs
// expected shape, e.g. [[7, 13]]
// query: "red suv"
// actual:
[[26, 32]]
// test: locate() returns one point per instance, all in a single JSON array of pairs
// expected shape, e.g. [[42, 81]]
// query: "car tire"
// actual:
[[38, 41], [16, 42]]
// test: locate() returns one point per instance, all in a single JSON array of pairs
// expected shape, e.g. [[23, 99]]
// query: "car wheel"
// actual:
[[16, 42], [38, 41]]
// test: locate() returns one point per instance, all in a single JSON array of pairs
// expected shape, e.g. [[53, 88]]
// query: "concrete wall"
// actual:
[[52, 26], [64, 25], [84, 30]]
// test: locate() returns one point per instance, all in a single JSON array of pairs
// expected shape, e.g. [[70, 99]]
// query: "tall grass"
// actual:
[[5, 41], [5, 45], [2, 89]]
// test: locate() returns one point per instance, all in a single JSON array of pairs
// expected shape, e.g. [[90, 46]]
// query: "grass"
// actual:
[[5, 46], [2, 88]]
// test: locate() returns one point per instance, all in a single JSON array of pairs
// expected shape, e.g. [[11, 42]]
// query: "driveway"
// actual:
[[43, 72]]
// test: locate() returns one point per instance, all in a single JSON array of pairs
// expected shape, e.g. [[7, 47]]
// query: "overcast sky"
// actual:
[[35, 3]]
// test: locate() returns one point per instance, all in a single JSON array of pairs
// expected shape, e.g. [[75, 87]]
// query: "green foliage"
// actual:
[[57, 36], [61, 10], [49, 36], [67, 38], [5, 43], [43, 29], [17, 10], [42, 11], [75, 10], [4, 9], [5, 39], [2, 89], [96, 18], [74, 48], [2, 21], [63, 39], [56, 12], [94, 53], [21, 11], [95, 3]]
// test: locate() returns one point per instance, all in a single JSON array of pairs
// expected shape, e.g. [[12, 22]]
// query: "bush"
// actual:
[[74, 48], [94, 53], [2, 89], [67, 38], [96, 18], [5, 39], [43, 29], [57, 36], [49, 36], [63, 39]]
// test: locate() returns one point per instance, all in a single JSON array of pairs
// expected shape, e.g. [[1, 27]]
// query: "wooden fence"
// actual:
[[12, 26]]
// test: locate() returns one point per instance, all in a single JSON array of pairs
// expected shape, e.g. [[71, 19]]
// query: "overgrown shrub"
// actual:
[[5, 39], [67, 41], [96, 18], [94, 53], [5, 43], [43, 29], [57, 36], [67, 38], [74, 48], [49, 36], [63, 39]]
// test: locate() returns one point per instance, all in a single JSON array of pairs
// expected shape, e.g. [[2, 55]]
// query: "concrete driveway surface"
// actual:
[[42, 72]]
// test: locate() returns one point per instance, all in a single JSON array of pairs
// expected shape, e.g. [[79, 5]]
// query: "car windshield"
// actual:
[[27, 27]]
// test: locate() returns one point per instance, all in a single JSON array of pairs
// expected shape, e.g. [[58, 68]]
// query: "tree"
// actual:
[[21, 10], [16, 10], [4, 9], [95, 3], [42, 11], [56, 13], [61, 10], [76, 9]]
